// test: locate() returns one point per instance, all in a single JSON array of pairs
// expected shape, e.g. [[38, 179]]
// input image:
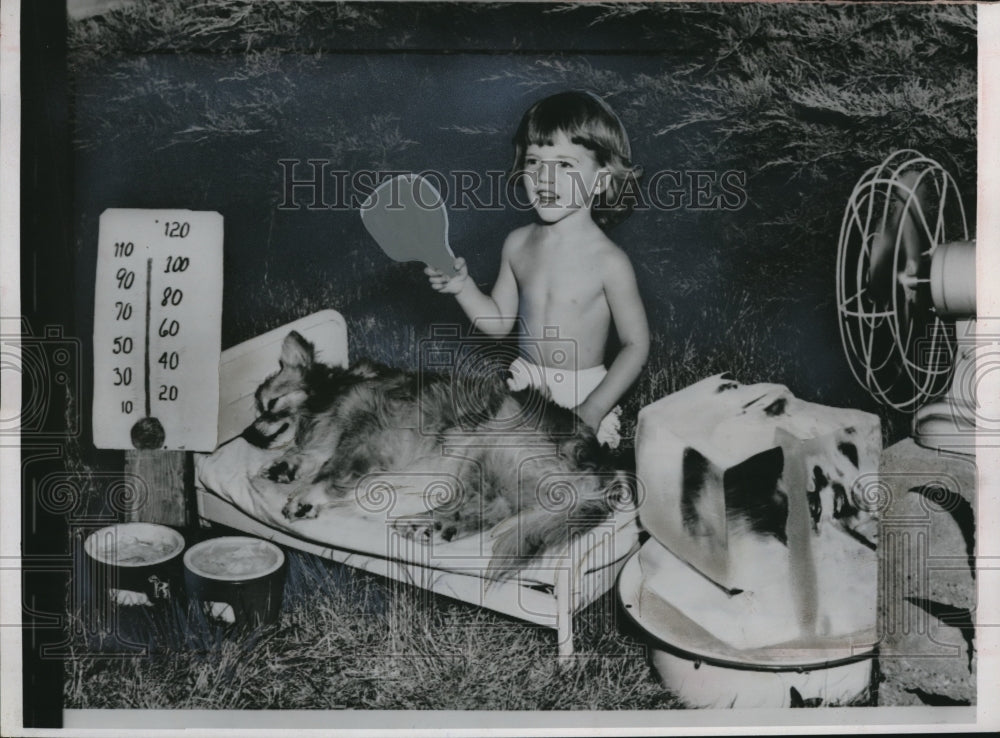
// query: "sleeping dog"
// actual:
[[501, 453]]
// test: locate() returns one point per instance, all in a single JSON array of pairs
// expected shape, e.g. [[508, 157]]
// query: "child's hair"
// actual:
[[590, 122]]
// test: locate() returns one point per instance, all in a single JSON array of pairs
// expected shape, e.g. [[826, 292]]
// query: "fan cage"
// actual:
[[901, 362]]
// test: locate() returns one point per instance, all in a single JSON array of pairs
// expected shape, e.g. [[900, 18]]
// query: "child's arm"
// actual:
[[494, 313], [629, 318]]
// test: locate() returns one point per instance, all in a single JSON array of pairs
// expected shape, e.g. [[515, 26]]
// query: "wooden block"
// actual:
[[166, 476]]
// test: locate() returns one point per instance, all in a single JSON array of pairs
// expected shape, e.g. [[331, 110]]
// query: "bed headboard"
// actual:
[[244, 366]]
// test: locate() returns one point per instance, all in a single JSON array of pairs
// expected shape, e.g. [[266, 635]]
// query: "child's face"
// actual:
[[561, 178]]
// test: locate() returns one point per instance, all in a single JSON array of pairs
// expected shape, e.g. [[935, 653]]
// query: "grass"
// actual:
[[351, 640], [221, 90]]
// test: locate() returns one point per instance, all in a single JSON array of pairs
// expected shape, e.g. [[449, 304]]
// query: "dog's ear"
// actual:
[[296, 352]]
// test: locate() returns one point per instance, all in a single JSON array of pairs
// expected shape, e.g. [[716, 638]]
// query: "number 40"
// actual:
[[169, 360]]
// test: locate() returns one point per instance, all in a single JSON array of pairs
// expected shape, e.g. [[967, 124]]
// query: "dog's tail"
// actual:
[[565, 514]]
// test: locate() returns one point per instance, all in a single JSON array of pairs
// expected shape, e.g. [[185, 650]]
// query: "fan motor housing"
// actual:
[[953, 279]]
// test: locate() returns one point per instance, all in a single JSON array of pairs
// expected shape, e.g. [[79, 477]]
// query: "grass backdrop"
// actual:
[[180, 104]]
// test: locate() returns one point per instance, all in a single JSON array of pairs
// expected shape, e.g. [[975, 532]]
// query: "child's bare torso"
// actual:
[[561, 292]]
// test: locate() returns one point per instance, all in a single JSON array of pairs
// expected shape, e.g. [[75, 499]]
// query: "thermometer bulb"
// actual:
[[148, 433]]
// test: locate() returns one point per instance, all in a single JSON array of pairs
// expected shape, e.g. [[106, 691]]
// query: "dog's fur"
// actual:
[[502, 453]]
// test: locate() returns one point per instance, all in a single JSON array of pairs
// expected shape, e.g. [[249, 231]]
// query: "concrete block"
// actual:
[[927, 586]]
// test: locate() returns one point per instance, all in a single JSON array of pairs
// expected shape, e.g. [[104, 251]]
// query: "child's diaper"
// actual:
[[567, 388]]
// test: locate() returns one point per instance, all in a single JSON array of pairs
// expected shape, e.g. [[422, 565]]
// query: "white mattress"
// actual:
[[364, 526]]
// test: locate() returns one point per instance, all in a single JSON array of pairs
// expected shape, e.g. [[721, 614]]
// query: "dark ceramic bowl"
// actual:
[[238, 579], [134, 563]]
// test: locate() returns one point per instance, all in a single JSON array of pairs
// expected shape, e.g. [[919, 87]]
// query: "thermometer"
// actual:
[[157, 330]]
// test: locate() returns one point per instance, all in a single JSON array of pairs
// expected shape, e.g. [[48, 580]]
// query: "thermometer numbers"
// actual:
[[123, 376], [125, 278], [123, 345], [169, 327], [124, 248], [171, 297], [157, 329], [177, 264], [168, 358], [176, 229]]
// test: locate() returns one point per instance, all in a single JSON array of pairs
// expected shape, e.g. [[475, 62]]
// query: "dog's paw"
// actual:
[[425, 529], [281, 471], [299, 509]]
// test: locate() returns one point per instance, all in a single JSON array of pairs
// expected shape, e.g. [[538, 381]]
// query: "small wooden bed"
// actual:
[[230, 492]]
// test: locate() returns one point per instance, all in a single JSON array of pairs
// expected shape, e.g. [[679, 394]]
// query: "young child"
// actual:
[[562, 276]]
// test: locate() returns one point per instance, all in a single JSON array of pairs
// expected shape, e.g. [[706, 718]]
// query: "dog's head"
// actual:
[[283, 396], [302, 388]]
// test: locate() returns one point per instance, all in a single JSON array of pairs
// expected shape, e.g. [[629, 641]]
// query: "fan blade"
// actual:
[[914, 237], [880, 265], [903, 227], [914, 263]]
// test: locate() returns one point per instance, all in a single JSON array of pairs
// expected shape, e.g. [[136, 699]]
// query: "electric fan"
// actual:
[[906, 296]]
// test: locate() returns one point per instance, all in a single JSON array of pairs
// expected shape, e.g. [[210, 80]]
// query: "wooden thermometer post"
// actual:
[[157, 341]]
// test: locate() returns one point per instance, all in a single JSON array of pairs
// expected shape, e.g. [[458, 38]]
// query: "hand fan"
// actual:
[[407, 218]]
